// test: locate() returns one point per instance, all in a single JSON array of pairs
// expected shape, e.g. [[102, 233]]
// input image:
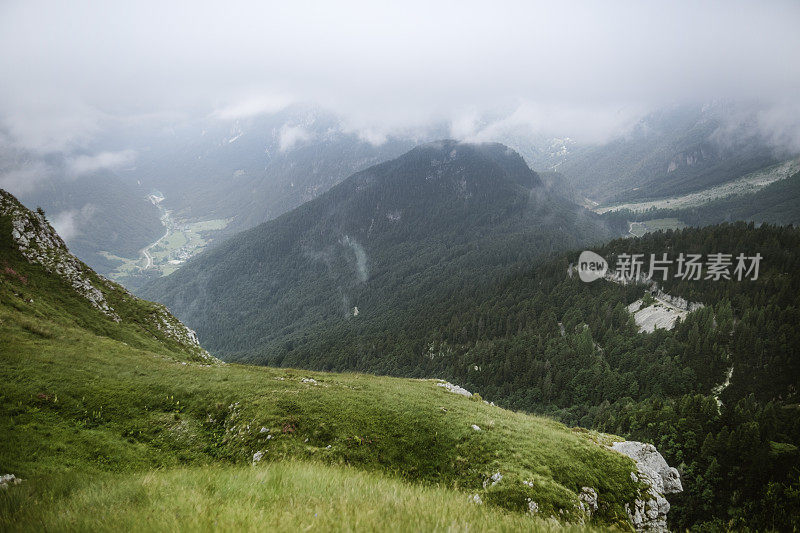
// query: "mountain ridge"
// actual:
[[443, 211]]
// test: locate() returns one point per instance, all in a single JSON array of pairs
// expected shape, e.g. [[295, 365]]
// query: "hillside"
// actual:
[[716, 390], [672, 151], [398, 237], [108, 403], [37, 263]]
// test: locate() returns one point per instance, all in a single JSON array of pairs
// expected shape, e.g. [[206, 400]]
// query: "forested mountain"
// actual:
[[547, 342], [387, 242]]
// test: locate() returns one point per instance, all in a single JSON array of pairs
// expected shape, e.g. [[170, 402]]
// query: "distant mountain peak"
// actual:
[[506, 162], [460, 170]]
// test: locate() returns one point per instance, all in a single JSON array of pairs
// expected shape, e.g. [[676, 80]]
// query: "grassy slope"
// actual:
[[290, 496], [85, 398]]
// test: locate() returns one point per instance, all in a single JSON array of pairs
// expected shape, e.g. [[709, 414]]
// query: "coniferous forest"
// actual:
[[544, 342]]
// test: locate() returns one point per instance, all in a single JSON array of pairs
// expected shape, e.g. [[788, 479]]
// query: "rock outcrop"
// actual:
[[649, 511], [173, 328], [39, 243], [588, 499], [455, 389], [9, 480], [659, 315]]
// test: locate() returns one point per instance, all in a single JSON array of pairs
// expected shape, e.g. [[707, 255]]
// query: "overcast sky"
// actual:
[[582, 68]]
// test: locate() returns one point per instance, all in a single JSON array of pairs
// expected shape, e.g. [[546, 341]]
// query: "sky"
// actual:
[[585, 69]]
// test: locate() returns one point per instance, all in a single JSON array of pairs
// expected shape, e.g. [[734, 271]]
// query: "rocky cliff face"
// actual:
[[39, 244], [649, 511]]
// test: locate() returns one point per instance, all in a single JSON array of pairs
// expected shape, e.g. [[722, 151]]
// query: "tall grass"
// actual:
[[287, 496]]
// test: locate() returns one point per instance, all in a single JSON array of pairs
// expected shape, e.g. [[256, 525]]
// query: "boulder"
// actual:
[[6, 480], [455, 389], [649, 511], [588, 499]]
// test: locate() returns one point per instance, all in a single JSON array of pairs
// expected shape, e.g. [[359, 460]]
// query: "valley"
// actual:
[[639, 229], [181, 241], [748, 184]]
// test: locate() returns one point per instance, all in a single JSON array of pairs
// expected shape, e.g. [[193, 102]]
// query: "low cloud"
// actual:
[[374, 136], [780, 125], [586, 124], [362, 271], [465, 125], [289, 136], [253, 106], [43, 121], [68, 223], [580, 69], [86, 164], [26, 178], [741, 124]]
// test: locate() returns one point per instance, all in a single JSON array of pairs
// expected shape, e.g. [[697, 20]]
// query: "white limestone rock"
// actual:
[[649, 511], [455, 389], [493, 480], [8, 480], [666, 479], [173, 328], [588, 499]]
